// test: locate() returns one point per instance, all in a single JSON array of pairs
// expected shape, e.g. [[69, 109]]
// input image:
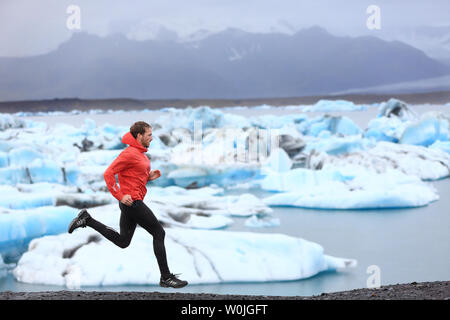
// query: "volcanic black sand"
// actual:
[[438, 290]]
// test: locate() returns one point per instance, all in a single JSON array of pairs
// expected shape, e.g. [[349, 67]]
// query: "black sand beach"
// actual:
[[437, 290]]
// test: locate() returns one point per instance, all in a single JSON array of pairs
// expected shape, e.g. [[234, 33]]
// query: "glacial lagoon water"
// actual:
[[405, 245]]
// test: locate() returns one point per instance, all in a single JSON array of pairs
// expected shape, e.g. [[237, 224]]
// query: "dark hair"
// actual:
[[139, 127]]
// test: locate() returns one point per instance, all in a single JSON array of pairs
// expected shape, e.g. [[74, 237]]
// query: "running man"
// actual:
[[133, 169]]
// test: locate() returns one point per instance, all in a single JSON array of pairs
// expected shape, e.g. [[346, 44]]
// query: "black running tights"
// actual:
[[136, 214]]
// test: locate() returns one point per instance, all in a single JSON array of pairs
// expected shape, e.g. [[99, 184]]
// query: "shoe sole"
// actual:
[[176, 287]]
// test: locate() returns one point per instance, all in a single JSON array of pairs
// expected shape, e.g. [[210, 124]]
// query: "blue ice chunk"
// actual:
[[17, 229], [442, 145], [45, 170], [26, 201], [13, 176], [338, 145], [426, 132], [72, 173], [22, 156], [335, 125], [5, 146], [4, 159]]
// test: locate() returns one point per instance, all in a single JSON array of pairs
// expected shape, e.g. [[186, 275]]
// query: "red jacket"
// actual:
[[132, 167]]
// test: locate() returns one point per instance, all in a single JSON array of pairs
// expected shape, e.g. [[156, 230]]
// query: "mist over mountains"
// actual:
[[228, 64]]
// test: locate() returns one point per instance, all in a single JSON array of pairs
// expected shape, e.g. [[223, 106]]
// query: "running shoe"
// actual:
[[172, 281], [79, 221]]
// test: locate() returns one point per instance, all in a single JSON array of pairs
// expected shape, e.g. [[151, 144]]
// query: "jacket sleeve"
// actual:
[[118, 165]]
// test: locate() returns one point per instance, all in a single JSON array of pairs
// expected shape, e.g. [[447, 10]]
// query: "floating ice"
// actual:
[[19, 227], [431, 127], [334, 105], [8, 121], [396, 108], [335, 145], [22, 156], [425, 163], [262, 221], [334, 124], [202, 256], [386, 129], [202, 202], [210, 118], [27, 196], [392, 189], [444, 146]]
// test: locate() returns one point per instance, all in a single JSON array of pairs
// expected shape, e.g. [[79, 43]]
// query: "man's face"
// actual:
[[145, 138]]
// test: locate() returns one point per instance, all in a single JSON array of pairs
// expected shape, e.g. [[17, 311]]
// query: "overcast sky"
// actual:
[[30, 27]]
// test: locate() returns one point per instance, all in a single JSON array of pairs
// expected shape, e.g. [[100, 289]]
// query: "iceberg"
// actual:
[[299, 179], [393, 118], [35, 210], [40, 170], [28, 196], [22, 156], [4, 159], [339, 125], [396, 108], [210, 118], [278, 161], [425, 163], [334, 105], [325, 190], [431, 128], [262, 221], [8, 121], [19, 227], [335, 145], [386, 129], [441, 145], [175, 202], [202, 256]]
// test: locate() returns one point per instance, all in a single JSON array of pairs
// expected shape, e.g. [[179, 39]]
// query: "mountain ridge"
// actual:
[[229, 64]]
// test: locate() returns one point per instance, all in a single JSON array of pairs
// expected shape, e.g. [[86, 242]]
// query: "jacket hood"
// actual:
[[132, 142]]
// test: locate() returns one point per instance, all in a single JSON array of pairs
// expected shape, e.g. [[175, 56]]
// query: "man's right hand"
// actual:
[[127, 200]]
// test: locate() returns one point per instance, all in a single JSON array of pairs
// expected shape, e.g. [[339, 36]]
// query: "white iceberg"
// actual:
[[8, 121], [335, 145], [425, 163], [262, 221], [386, 129], [28, 196], [210, 118], [203, 202], [202, 256], [325, 189], [334, 105]]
